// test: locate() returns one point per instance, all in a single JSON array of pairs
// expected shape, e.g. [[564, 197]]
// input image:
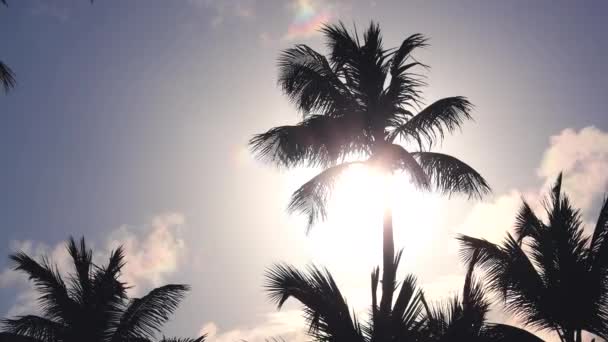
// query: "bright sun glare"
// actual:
[[352, 233]]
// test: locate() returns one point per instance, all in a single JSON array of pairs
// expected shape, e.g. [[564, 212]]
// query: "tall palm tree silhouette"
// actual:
[[356, 103], [551, 274], [93, 304]]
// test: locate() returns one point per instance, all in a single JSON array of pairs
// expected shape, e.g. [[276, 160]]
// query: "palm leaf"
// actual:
[[35, 327], [317, 141], [449, 175], [395, 157], [527, 223], [176, 339], [325, 309], [54, 299], [306, 77], [311, 198], [144, 316], [7, 76], [83, 261], [431, 123]]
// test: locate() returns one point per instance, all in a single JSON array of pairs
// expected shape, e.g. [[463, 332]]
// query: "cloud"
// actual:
[[583, 158], [153, 252], [287, 325]]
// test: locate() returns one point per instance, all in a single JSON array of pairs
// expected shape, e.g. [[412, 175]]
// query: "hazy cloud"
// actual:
[[288, 325]]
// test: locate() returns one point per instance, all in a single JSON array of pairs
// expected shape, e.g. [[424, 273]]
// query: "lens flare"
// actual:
[[309, 17]]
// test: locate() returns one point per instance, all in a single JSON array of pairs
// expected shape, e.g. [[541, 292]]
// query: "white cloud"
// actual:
[[287, 325], [152, 253], [583, 158]]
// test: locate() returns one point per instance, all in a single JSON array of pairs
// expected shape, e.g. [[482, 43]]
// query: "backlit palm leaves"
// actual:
[[355, 102], [91, 304], [550, 273], [465, 318], [328, 316]]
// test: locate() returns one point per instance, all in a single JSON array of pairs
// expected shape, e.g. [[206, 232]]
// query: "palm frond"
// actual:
[[35, 327], [494, 332], [526, 223], [510, 273], [7, 76], [395, 157], [182, 339], [54, 297], [109, 294], [307, 78], [342, 45], [83, 261], [449, 175], [408, 308], [311, 198], [431, 124], [598, 239], [145, 316], [317, 141], [325, 309]]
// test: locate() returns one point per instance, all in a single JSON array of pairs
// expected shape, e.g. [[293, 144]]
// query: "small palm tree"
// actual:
[[328, 315], [465, 318], [356, 104], [93, 304], [551, 274]]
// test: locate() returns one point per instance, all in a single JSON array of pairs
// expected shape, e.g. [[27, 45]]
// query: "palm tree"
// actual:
[[93, 304], [328, 315], [465, 318], [356, 103], [551, 274]]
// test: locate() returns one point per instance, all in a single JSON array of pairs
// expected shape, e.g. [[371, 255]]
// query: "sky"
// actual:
[[130, 121]]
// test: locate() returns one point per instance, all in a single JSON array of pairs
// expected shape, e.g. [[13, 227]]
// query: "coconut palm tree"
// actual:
[[357, 104], [91, 304], [550, 273], [328, 316], [465, 318]]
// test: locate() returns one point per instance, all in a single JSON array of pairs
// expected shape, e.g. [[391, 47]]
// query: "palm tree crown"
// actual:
[[550, 273], [356, 103], [92, 303]]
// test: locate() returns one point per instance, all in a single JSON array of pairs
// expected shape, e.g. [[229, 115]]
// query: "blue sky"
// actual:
[[130, 121]]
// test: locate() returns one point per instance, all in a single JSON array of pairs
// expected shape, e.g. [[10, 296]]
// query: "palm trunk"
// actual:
[[388, 269]]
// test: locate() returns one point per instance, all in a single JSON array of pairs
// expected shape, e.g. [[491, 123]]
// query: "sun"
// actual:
[[352, 232]]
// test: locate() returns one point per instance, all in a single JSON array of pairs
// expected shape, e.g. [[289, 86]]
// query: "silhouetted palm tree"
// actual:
[[465, 318], [356, 103], [328, 315], [551, 274], [93, 304]]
